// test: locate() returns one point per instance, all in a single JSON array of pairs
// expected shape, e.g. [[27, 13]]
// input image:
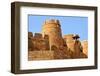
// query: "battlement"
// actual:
[[69, 36], [38, 42], [40, 36], [72, 36], [51, 45], [37, 35], [30, 34], [52, 21]]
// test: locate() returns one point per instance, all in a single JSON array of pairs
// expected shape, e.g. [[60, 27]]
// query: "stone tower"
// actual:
[[52, 28], [74, 45], [70, 41]]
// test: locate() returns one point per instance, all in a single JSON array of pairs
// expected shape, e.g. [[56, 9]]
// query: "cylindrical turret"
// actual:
[[52, 28]]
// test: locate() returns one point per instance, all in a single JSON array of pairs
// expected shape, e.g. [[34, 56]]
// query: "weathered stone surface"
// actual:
[[69, 41], [38, 36], [40, 55], [53, 30], [30, 42], [74, 46], [85, 47], [38, 42], [51, 45], [30, 35]]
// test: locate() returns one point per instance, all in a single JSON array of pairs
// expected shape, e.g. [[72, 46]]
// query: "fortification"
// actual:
[[51, 45], [85, 47], [52, 28], [30, 42], [38, 42], [74, 45], [69, 41]]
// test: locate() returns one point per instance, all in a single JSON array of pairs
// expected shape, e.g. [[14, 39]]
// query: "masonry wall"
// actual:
[[30, 42], [75, 46], [52, 28], [51, 45], [38, 42], [40, 55], [85, 47]]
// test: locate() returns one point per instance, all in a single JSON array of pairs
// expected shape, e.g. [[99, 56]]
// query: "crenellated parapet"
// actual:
[[51, 45], [39, 42], [52, 21]]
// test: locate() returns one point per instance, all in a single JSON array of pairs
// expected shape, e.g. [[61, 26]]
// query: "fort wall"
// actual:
[[74, 46], [85, 47], [51, 45], [40, 55], [38, 42]]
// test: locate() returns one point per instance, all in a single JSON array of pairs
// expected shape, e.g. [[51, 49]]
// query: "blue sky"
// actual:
[[69, 24]]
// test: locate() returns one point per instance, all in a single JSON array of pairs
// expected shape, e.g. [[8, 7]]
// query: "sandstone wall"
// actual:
[[69, 41], [53, 30], [30, 42], [74, 46], [51, 45], [85, 47], [38, 42], [30, 34], [40, 55]]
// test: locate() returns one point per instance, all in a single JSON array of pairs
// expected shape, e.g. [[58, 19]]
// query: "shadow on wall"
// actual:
[[51, 45]]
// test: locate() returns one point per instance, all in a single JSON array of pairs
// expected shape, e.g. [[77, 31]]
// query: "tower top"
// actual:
[[68, 36], [52, 21], [71, 36]]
